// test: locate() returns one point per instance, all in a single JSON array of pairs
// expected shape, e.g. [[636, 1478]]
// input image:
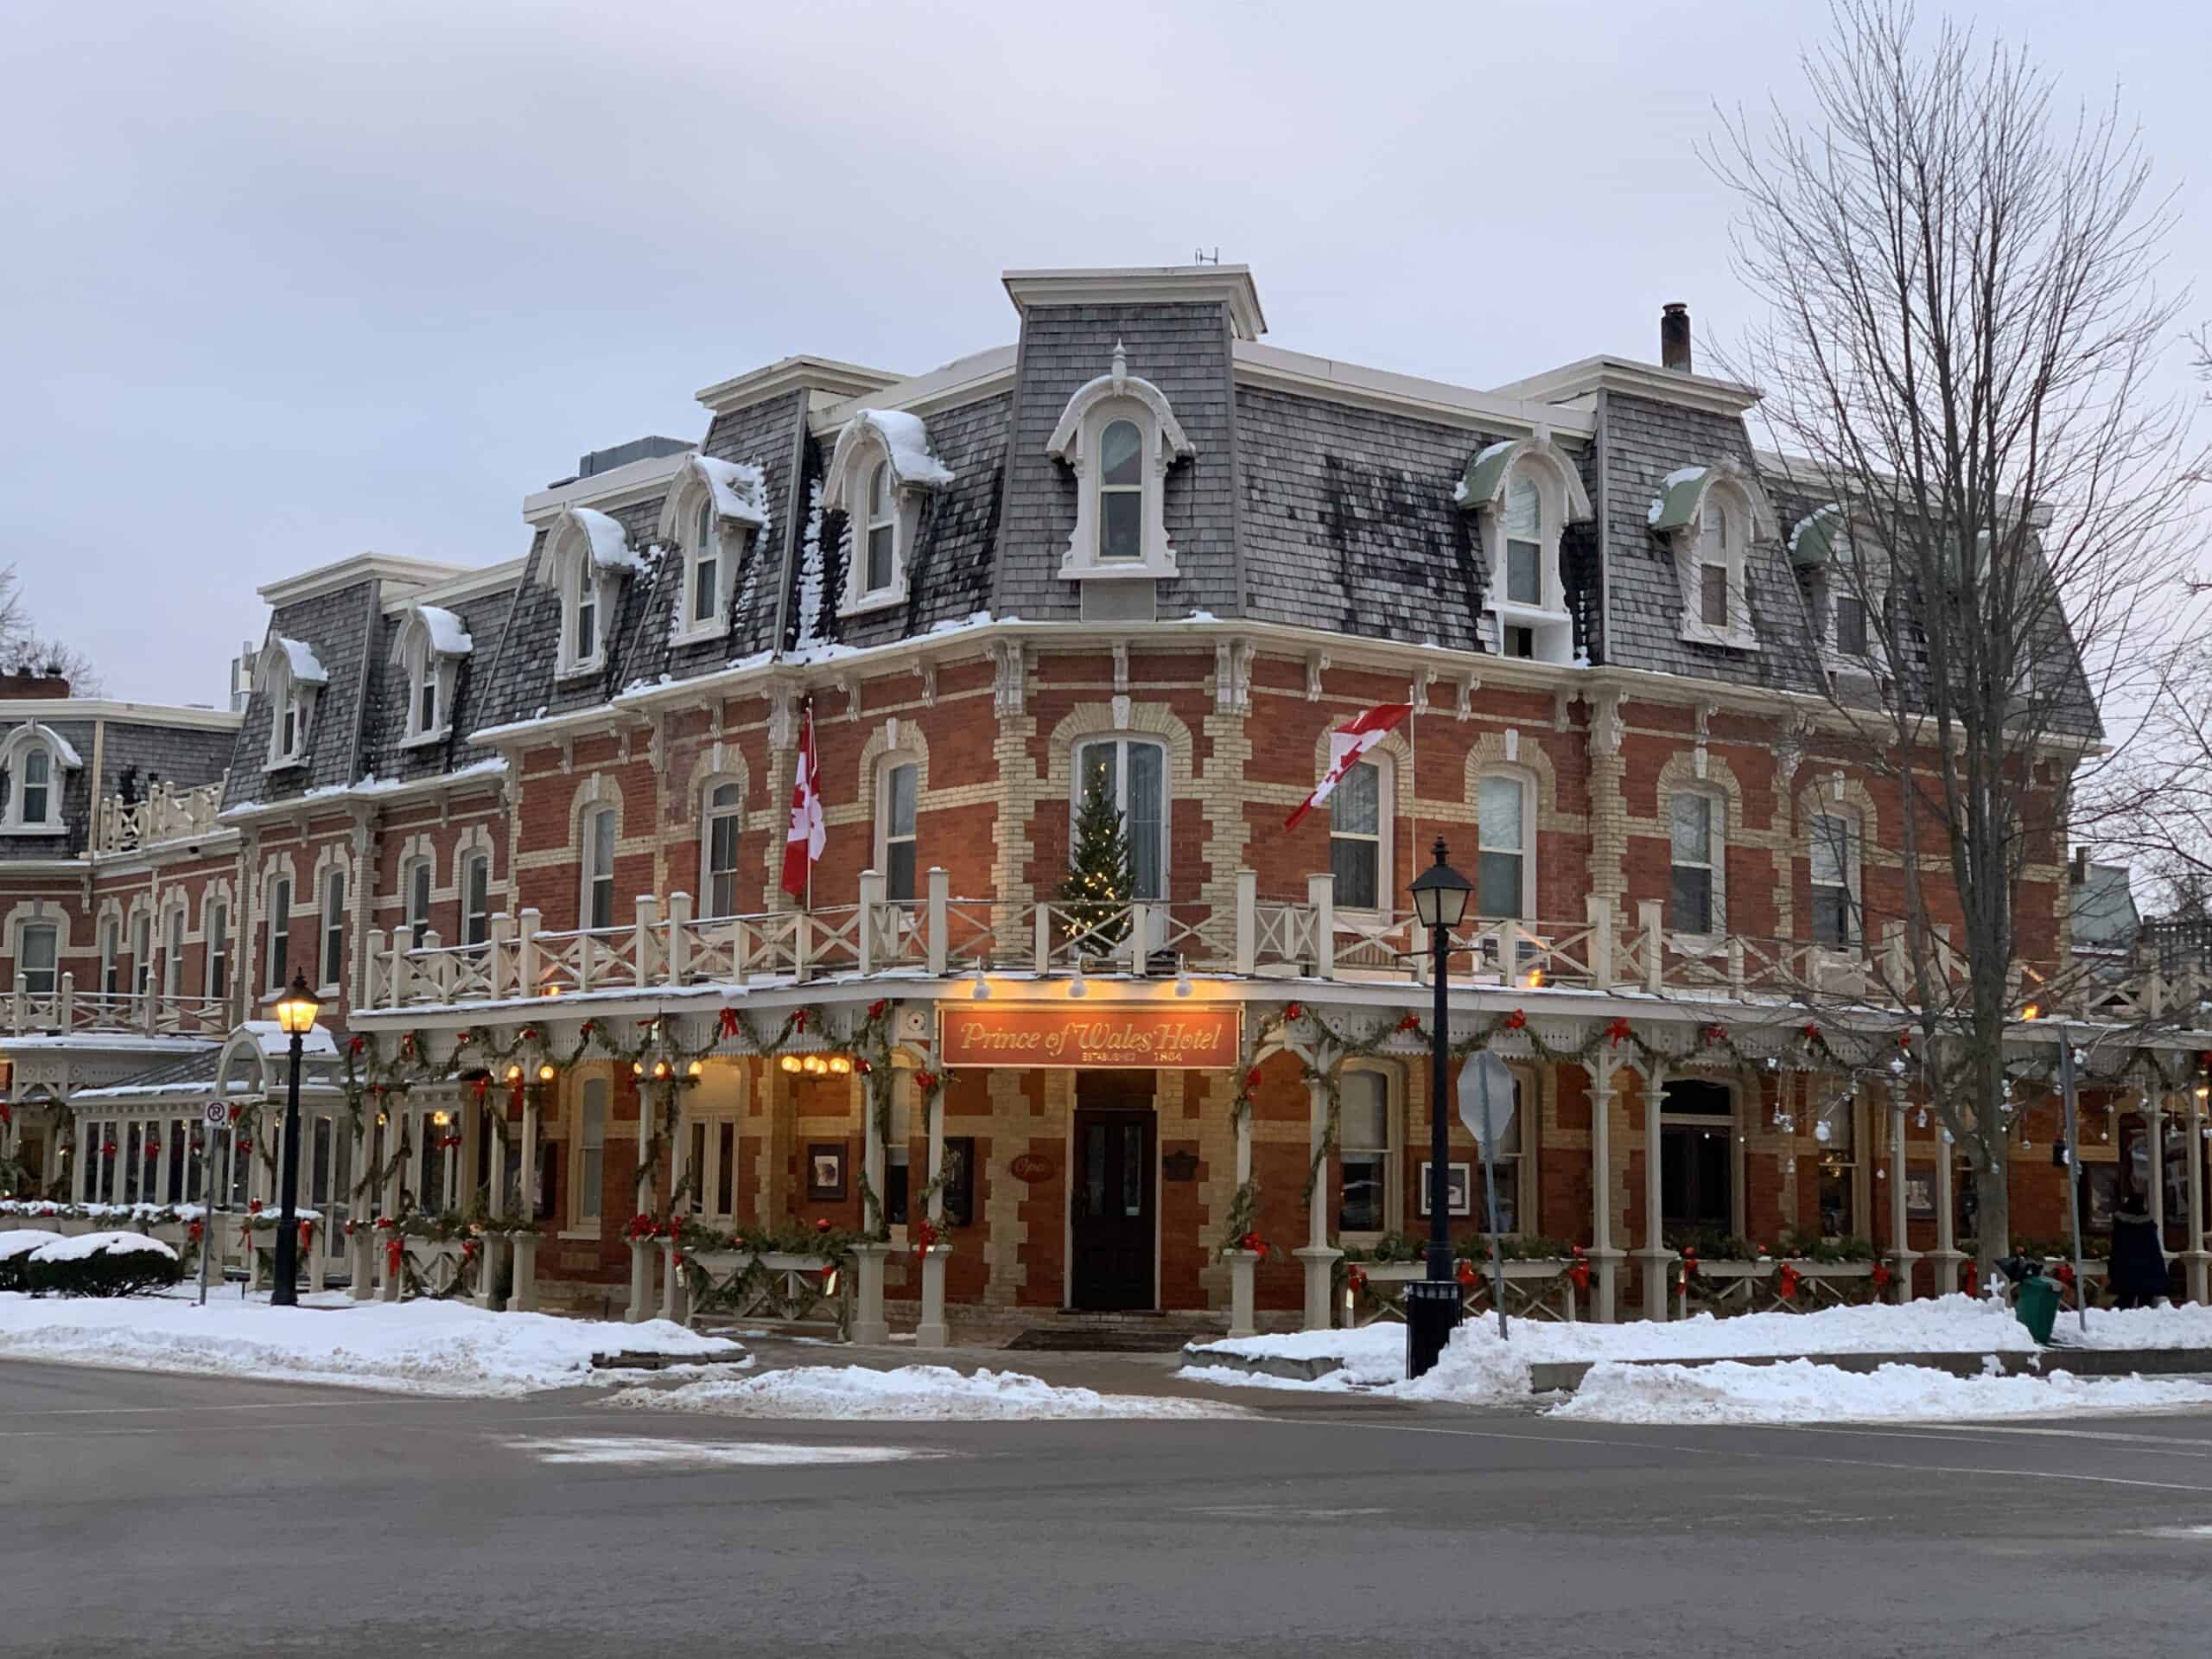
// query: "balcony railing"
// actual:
[[63, 1012], [165, 814], [941, 936]]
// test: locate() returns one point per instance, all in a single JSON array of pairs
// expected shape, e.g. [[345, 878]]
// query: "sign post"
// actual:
[[1483, 1081], [214, 1117], [2073, 1181]]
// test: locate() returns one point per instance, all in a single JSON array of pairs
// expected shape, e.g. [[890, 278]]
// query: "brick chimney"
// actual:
[[24, 683], [1675, 337]]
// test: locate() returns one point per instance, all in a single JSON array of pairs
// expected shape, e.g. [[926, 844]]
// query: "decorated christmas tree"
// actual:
[[1099, 885]]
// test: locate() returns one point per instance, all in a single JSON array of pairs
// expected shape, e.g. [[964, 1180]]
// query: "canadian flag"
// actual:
[[803, 842], [1346, 744]]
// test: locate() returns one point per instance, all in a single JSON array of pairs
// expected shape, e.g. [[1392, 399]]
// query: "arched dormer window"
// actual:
[[430, 645], [587, 555], [1712, 515], [1846, 594], [1119, 435], [292, 679], [711, 507], [33, 761], [1523, 493], [878, 476]]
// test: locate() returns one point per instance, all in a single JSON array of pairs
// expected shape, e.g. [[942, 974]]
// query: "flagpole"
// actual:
[[814, 787], [1412, 777]]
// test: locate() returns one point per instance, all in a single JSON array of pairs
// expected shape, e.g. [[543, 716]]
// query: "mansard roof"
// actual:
[[145, 742]]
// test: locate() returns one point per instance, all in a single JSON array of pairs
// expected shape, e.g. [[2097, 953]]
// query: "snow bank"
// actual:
[[424, 1347], [58, 1248], [909, 1393], [1798, 1391]]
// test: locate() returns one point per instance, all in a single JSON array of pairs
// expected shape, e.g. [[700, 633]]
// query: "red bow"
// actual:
[[1786, 1280], [394, 1249], [1578, 1275], [1409, 1023], [1618, 1032], [1252, 1079], [1882, 1276], [1467, 1272], [1515, 1021], [728, 1022], [877, 1009]]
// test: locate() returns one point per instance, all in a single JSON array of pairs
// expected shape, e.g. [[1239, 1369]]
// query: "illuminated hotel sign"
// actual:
[[1191, 1037]]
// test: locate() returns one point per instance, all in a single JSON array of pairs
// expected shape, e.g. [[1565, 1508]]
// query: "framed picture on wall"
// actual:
[[1458, 1187], [825, 1171], [1920, 1192]]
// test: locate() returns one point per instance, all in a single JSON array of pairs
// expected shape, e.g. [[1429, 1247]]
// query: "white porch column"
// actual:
[[933, 1332], [870, 1260], [523, 1297], [1319, 1257], [2154, 1124], [1902, 1255], [394, 1130], [1947, 1243], [641, 1250], [673, 1302], [1655, 1255], [1243, 1265], [2193, 1259], [363, 1243], [1604, 1257]]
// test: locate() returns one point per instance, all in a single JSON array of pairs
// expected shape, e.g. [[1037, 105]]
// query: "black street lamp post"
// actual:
[[1440, 895], [295, 1012]]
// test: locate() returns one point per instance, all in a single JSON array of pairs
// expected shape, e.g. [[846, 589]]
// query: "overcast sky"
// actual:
[[295, 281]]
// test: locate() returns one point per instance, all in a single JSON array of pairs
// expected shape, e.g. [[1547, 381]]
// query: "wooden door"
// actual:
[[1113, 1198]]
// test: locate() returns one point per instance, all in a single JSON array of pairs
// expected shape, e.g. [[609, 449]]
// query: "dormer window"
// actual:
[[586, 554], [1524, 491], [878, 477], [431, 644], [292, 678], [712, 505], [33, 760], [882, 533], [1712, 515], [1119, 436], [1846, 597]]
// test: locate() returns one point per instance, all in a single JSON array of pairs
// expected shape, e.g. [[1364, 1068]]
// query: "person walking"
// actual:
[[2139, 1264]]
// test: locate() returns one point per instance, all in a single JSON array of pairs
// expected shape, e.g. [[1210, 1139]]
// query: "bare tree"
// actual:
[[23, 650], [1963, 324]]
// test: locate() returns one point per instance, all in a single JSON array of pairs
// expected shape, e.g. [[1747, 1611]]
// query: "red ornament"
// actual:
[[529, 1034], [641, 1228], [822, 1223], [1714, 1035], [153, 1143], [1466, 1273], [460, 1037], [1356, 1278], [1882, 1276], [879, 1007], [107, 1148], [1252, 1079], [1617, 1032], [1253, 1242], [1578, 1274], [589, 1027], [1515, 1021], [1812, 1033], [1409, 1023], [1294, 1011], [254, 1207], [355, 1045]]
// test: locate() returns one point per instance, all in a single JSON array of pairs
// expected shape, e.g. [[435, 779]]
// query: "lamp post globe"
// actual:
[[1440, 894], [296, 1007]]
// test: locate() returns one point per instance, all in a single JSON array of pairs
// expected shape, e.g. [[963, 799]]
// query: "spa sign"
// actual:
[[1210, 1038]]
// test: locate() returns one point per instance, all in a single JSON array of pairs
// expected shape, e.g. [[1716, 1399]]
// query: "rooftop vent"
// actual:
[[606, 461]]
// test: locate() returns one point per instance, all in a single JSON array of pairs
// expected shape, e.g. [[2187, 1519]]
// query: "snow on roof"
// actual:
[[739, 489], [449, 637], [908, 441], [306, 667], [270, 1038], [1813, 538], [1479, 482], [610, 548]]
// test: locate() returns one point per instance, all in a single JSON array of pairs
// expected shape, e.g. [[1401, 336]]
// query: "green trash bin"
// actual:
[[2036, 1305]]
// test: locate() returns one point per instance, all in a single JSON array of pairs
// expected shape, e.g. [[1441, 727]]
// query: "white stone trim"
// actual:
[[1119, 395]]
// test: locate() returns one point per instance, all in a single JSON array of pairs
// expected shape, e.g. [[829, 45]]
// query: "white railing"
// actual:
[[165, 814], [939, 935], [65, 1011]]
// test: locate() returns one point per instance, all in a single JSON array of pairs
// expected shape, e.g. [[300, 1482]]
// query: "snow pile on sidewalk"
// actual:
[[911, 1393], [1798, 1391], [425, 1347]]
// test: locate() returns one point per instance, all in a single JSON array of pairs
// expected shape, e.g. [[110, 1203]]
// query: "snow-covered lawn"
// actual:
[[424, 1347], [1476, 1368], [1798, 1391], [911, 1393]]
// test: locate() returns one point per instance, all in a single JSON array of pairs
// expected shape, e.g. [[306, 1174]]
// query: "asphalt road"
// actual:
[[184, 1516]]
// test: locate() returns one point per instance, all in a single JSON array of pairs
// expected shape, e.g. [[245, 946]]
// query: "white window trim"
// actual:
[[1874, 594], [286, 691], [1729, 1127], [1119, 395], [735, 498], [176, 923], [469, 860], [60, 759], [586, 551], [1386, 841], [1130, 741], [586, 840], [1527, 780], [1394, 1131], [885, 766], [24, 929], [708, 812], [862, 447], [1853, 871], [1717, 862], [426, 866], [210, 908], [327, 923], [1754, 520], [273, 982], [1561, 501]]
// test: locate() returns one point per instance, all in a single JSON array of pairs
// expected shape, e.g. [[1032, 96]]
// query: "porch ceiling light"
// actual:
[[791, 1063], [840, 1065], [1440, 893], [698, 1068]]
